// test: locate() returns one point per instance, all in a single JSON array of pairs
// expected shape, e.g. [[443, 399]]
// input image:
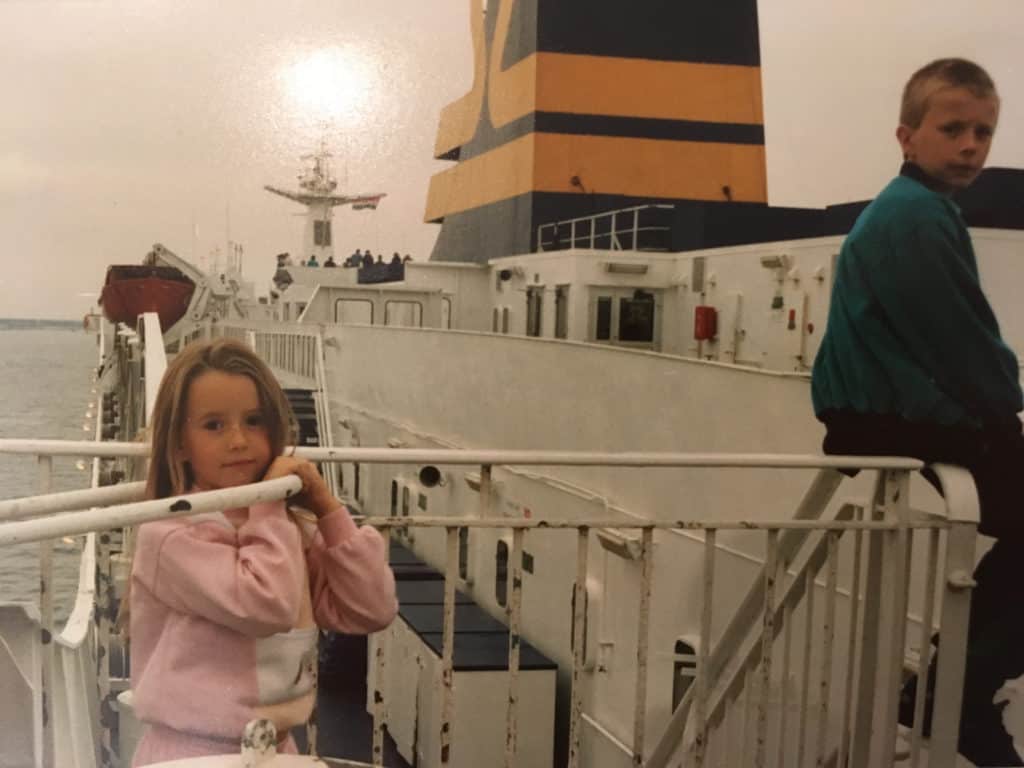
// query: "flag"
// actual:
[[364, 203]]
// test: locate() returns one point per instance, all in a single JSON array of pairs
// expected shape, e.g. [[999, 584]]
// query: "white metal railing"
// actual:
[[291, 351], [581, 236], [796, 551], [38, 506], [135, 513]]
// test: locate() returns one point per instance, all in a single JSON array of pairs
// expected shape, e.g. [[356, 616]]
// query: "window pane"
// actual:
[[408, 314], [636, 318], [353, 311], [604, 318]]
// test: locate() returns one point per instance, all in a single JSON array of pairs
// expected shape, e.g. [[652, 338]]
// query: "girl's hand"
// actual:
[[314, 495]]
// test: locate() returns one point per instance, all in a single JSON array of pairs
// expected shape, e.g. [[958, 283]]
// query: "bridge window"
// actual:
[[394, 498], [408, 314], [353, 311], [446, 312], [504, 319], [322, 233], [625, 316], [636, 317]]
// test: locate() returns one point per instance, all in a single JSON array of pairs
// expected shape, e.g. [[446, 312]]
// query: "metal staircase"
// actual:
[[310, 417]]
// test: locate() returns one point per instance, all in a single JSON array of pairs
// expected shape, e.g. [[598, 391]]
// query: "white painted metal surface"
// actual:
[[155, 360], [70, 524], [39, 506]]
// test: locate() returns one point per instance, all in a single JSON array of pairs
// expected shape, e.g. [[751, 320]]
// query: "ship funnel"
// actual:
[[579, 107]]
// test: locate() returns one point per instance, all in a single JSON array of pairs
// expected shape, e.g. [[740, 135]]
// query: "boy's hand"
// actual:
[[314, 495]]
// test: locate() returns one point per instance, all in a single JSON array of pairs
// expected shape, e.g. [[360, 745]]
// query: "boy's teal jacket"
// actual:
[[910, 332]]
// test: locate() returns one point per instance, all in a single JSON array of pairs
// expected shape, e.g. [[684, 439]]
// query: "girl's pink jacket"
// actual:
[[223, 620]]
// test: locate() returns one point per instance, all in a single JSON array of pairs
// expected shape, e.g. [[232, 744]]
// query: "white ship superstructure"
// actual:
[[578, 351]]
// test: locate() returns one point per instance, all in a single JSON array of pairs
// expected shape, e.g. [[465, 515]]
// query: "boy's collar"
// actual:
[[915, 172]]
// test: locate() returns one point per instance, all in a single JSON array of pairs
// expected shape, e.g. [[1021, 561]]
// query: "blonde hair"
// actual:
[[168, 475], [939, 74]]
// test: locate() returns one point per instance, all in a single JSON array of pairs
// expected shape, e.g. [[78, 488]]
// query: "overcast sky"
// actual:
[[140, 121]]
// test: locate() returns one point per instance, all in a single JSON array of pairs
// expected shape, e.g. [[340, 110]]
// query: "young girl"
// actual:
[[224, 607]]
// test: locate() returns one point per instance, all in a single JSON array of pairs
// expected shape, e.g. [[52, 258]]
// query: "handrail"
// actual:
[[323, 407], [817, 497], [962, 518], [73, 523], [613, 232], [501, 457], [37, 506], [742, 638]]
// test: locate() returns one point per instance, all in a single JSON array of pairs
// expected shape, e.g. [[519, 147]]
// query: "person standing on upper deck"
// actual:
[[913, 363]]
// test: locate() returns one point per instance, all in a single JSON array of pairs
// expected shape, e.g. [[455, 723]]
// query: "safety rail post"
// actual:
[[44, 484], [702, 682], [324, 411], [515, 603], [853, 649], [448, 647], [927, 623], [962, 501], [883, 628], [771, 575], [642, 643], [486, 482], [828, 643], [578, 639], [380, 663]]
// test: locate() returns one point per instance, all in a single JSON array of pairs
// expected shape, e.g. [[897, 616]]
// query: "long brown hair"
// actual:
[[168, 475]]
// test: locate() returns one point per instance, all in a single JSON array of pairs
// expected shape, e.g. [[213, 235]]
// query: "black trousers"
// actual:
[[995, 638]]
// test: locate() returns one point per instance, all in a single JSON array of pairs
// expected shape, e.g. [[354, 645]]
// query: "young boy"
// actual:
[[912, 362]]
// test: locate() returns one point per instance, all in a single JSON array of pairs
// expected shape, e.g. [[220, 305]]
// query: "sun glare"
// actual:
[[328, 84]]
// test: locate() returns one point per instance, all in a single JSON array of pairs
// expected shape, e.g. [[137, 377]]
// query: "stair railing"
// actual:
[[741, 663]]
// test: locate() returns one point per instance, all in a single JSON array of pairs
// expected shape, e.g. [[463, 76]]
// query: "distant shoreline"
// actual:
[[30, 324]]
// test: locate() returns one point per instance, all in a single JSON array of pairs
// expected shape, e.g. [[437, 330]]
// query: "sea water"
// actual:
[[45, 382]]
